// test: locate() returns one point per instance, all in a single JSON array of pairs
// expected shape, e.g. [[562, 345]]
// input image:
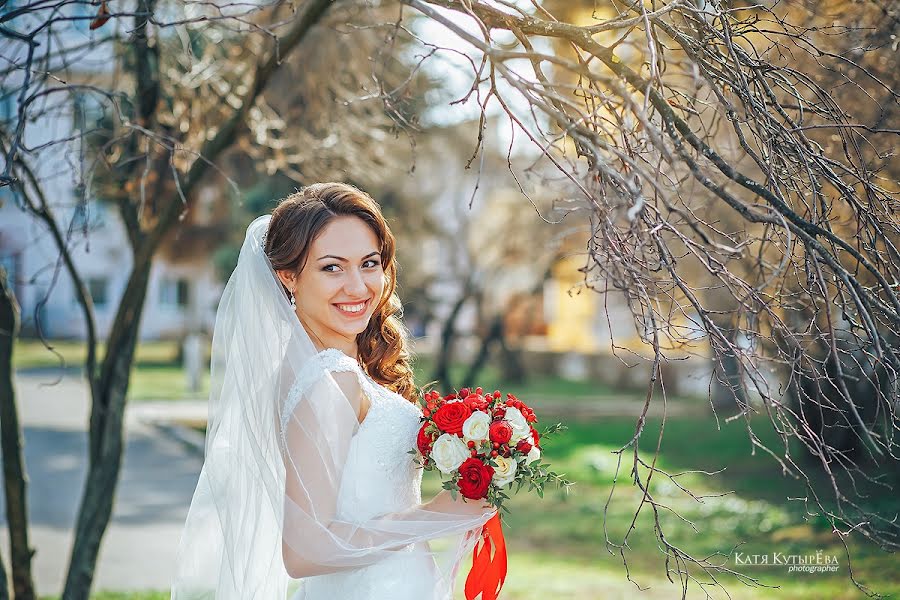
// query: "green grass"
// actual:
[[558, 546], [155, 375], [70, 354], [490, 379], [144, 595]]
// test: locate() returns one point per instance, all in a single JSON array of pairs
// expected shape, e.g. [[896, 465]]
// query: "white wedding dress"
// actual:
[[379, 477]]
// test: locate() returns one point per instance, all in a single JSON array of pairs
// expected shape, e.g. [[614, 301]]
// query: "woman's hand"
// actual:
[[444, 502]]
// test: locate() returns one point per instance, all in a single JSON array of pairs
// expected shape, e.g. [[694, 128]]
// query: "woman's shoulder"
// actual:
[[330, 360], [333, 359], [327, 360]]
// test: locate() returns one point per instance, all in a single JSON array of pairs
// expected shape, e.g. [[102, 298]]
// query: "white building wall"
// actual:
[[102, 255], [103, 260]]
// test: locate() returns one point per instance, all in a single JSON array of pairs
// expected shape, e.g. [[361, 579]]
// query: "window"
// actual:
[[174, 292], [91, 214], [98, 288], [87, 110]]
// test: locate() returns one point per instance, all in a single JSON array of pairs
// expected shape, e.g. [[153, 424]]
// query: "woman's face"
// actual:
[[341, 283]]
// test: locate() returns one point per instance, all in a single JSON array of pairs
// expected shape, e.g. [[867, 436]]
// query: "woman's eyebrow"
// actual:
[[344, 259]]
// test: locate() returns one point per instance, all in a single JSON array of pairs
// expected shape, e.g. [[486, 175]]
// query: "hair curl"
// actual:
[[297, 221]]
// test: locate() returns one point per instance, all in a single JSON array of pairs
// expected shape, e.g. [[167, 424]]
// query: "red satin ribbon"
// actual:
[[487, 574]]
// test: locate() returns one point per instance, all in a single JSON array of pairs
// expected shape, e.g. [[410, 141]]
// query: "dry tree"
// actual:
[[736, 162]]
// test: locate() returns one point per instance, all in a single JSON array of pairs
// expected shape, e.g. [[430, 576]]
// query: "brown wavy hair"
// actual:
[[297, 221]]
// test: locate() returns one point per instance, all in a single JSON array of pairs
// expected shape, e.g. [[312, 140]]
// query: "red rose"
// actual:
[[475, 478], [424, 441], [523, 446], [537, 437], [500, 431], [450, 417]]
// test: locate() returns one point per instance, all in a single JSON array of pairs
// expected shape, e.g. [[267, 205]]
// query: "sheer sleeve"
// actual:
[[317, 539]]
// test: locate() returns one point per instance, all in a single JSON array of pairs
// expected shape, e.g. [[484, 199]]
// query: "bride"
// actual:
[[312, 415]]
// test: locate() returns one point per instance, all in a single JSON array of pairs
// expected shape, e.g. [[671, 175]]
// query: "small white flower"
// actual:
[[448, 452], [520, 427], [505, 471], [476, 427]]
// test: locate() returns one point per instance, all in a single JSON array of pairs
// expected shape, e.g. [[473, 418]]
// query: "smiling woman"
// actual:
[[313, 416]]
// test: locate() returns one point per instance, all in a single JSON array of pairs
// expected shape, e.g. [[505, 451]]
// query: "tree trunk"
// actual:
[[106, 436], [728, 390], [484, 350], [511, 367], [4, 582], [448, 334], [13, 461]]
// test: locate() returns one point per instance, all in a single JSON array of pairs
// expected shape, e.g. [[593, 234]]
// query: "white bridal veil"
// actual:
[[273, 471]]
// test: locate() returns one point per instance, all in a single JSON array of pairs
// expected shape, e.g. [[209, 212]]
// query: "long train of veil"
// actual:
[[273, 470]]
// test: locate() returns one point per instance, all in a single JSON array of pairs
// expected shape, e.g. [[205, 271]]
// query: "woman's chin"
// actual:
[[351, 329]]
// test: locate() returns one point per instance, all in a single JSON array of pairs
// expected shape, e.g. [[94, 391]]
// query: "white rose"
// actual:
[[505, 471], [520, 427], [476, 427], [449, 452], [533, 455]]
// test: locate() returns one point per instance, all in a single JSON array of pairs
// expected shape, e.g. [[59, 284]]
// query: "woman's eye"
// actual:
[[375, 263]]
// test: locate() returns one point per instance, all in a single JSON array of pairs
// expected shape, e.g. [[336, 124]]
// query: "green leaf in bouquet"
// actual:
[[552, 429]]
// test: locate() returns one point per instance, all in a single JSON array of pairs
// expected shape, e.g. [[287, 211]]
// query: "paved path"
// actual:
[[154, 493]]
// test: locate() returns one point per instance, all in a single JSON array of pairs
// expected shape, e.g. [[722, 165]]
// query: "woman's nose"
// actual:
[[356, 284]]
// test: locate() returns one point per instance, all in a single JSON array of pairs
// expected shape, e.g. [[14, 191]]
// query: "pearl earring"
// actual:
[[293, 301]]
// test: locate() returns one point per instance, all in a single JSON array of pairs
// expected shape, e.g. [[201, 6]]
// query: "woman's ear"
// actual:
[[287, 278]]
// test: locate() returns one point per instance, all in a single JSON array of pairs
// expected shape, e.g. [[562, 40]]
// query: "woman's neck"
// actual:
[[346, 346]]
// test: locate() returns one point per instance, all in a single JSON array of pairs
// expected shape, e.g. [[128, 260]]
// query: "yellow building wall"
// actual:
[[570, 322]]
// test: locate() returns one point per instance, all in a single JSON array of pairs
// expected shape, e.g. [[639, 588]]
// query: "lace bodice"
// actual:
[[380, 475]]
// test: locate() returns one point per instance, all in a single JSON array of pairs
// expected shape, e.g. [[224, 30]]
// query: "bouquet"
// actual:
[[485, 444]]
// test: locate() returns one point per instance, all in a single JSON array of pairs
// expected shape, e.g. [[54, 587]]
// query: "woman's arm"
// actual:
[[312, 534]]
